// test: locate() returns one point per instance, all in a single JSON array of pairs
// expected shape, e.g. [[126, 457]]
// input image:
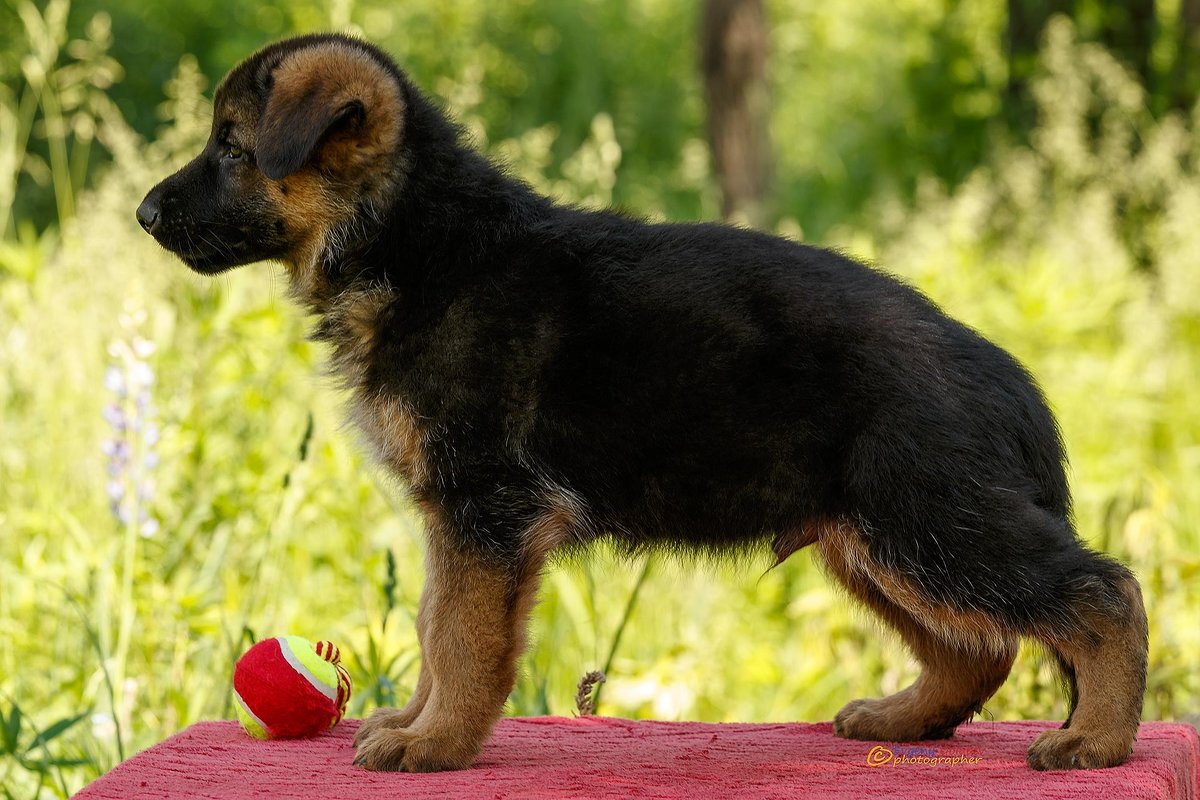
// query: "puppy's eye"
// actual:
[[234, 152]]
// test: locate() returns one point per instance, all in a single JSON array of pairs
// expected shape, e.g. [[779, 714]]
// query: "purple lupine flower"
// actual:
[[114, 381], [130, 414]]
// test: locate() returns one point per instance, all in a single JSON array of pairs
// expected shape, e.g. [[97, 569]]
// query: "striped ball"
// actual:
[[288, 688]]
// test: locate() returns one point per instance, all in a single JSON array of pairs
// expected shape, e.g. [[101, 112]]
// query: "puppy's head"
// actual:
[[305, 142]]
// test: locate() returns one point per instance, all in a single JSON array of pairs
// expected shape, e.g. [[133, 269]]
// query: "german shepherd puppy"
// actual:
[[542, 376]]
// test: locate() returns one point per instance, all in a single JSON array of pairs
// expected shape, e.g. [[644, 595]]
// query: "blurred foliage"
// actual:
[[869, 96], [1074, 245]]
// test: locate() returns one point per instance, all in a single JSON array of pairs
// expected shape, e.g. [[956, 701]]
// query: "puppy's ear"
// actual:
[[294, 124], [331, 102]]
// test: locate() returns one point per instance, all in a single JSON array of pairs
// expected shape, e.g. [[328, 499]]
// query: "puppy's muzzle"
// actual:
[[150, 211]]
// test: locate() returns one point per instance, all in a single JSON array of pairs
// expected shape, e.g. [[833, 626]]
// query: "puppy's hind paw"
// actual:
[[887, 719], [1067, 748]]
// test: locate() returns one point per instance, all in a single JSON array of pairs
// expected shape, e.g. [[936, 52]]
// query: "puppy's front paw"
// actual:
[[1066, 748], [408, 750], [848, 722], [381, 718]]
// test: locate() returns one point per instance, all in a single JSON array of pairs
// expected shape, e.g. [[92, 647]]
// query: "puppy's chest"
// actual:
[[427, 396], [394, 435], [392, 429]]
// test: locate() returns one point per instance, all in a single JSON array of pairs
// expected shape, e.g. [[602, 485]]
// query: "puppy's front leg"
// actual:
[[403, 717], [475, 610]]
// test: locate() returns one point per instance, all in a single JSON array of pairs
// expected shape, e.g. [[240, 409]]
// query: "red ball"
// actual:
[[287, 688]]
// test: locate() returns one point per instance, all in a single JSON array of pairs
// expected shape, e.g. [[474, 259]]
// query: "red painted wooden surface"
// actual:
[[552, 757]]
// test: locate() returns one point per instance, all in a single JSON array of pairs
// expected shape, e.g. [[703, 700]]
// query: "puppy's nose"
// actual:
[[148, 213]]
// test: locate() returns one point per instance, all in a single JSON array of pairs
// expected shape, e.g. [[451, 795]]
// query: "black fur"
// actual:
[[697, 386], [705, 386]]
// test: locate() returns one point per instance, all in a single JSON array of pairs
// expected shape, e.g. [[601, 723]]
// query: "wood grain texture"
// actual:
[[604, 757]]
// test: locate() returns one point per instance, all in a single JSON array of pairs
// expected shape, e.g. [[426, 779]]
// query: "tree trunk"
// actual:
[[1189, 18], [1186, 78], [1026, 21], [1130, 28], [733, 59]]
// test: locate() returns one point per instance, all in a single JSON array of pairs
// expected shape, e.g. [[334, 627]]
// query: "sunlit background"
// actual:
[[175, 477]]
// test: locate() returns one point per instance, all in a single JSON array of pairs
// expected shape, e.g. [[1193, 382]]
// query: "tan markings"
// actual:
[[243, 117], [952, 687], [1108, 654], [416, 703], [350, 174], [351, 324], [311, 211], [475, 634], [793, 540], [328, 76], [394, 432], [965, 656], [403, 717], [844, 550], [564, 520]]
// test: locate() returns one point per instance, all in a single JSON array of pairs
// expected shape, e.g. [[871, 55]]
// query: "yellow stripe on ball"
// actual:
[[303, 657], [250, 723]]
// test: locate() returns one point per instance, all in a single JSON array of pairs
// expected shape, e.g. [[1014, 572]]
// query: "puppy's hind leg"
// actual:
[[964, 656], [1028, 575], [1098, 632]]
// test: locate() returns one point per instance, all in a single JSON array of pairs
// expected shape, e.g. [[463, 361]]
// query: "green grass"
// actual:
[[1078, 254]]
